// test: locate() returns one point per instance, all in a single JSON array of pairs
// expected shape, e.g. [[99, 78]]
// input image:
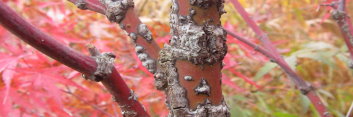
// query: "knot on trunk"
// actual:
[[105, 64], [116, 9]]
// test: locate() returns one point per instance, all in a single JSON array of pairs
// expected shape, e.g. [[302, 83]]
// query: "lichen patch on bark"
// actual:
[[203, 88], [116, 9], [188, 78], [147, 61], [144, 32], [81, 4], [105, 64]]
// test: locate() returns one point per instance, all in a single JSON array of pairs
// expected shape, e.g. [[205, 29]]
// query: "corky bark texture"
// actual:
[[190, 65]]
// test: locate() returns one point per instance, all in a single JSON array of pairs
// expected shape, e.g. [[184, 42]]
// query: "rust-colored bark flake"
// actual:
[[210, 73]]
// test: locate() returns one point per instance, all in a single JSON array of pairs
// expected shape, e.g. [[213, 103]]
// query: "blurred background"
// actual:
[[33, 85]]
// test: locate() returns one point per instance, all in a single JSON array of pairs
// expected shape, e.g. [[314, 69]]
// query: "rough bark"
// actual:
[[190, 65], [189, 69]]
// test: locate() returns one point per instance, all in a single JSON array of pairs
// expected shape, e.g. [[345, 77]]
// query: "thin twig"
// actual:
[[275, 56]]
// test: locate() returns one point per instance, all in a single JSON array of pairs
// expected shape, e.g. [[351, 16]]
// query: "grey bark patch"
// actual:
[[105, 64], [122, 26], [337, 15], [188, 78], [203, 88], [143, 30], [220, 6], [142, 56], [182, 18], [150, 64], [160, 81], [201, 3], [114, 99], [176, 96], [307, 89], [147, 62], [192, 12], [139, 49], [133, 36], [205, 109], [129, 114], [326, 114], [81, 4], [203, 44], [116, 9], [132, 96], [199, 44]]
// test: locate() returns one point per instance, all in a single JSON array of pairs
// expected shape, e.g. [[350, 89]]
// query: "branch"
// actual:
[[259, 33], [304, 87], [339, 14], [251, 44], [122, 12], [71, 58], [273, 54]]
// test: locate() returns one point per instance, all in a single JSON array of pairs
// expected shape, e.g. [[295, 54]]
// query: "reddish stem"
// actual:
[[260, 34], [304, 87], [339, 14], [71, 58]]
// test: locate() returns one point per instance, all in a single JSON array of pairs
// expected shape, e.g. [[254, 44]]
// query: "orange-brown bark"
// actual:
[[211, 73], [190, 66]]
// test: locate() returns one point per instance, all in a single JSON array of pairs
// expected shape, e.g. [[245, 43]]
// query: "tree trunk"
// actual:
[[189, 67]]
